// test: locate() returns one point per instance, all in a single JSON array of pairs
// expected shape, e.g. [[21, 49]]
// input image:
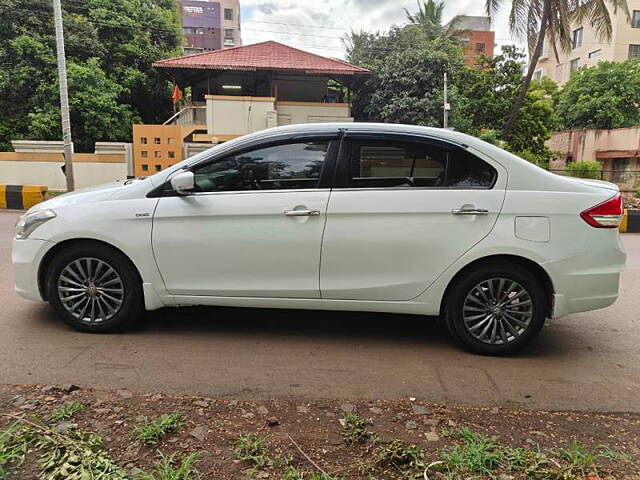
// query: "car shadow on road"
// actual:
[[429, 332]]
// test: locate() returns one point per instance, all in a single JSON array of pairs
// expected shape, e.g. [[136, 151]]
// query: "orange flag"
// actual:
[[177, 93]]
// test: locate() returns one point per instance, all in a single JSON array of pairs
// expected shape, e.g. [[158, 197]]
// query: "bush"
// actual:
[[591, 169]]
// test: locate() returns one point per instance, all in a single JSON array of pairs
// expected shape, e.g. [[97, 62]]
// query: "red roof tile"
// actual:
[[263, 56]]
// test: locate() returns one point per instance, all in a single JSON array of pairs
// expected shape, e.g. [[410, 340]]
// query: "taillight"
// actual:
[[608, 214]]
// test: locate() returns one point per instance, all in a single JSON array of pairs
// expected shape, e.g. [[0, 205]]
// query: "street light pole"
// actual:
[[64, 96], [446, 106]]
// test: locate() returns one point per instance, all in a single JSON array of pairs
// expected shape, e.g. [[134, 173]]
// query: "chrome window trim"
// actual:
[[253, 192]]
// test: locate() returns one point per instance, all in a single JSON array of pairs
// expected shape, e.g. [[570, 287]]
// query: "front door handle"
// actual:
[[302, 213], [470, 211]]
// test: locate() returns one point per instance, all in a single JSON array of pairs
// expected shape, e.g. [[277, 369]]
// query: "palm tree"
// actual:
[[429, 17], [552, 19]]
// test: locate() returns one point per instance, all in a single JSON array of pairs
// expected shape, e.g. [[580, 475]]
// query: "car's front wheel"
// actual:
[[94, 288], [496, 309]]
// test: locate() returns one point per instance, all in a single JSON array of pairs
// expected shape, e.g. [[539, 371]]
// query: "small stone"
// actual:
[[431, 436], [263, 474], [452, 423], [302, 409], [124, 393], [129, 466], [376, 410], [102, 411], [233, 403], [273, 421], [495, 411], [412, 399], [200, 411], [27, 406], [201, 403], [18, 401], [347, 407], [64, 427], [262, 410], [48, 389], [248, 415], [70, 387], [504, 476], [400, 416], [410, 425], [200, 433], [420, 410], [156, 397], [141, 418], [49, 399]]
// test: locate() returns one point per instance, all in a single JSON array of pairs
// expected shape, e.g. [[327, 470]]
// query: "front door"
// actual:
[[252, 227], [406, 211]]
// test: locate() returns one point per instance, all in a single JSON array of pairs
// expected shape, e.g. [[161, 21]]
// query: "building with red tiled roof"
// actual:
[[245, 89], [265, 56]]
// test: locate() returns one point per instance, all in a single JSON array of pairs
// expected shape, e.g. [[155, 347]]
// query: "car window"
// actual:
[[390, 164], [290, 166]]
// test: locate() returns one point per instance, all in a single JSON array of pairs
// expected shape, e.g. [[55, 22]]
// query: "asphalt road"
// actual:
[[588, 361]]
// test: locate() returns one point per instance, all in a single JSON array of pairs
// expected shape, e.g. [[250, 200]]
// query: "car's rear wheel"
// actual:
[[94, 288], [496, 309]]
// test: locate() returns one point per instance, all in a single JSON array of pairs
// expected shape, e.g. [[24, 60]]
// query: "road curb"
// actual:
[[21, 197]]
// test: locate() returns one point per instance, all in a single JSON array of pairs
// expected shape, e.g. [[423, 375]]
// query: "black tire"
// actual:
[[126, 276], [465, 286]]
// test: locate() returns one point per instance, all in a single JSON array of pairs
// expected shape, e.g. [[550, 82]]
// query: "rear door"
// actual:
[[404, 209]]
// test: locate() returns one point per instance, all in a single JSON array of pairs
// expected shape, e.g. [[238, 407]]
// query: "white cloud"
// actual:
[[318, 26]]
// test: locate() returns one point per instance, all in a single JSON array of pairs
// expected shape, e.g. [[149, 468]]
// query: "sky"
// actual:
[[318, 25]]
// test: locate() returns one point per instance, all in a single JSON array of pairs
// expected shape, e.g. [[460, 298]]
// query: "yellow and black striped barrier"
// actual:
[[21, 197], [630, 222]]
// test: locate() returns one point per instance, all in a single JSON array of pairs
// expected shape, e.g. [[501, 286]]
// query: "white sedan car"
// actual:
[[371, 217]]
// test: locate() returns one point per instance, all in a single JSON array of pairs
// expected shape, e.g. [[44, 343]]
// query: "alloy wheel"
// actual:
[[91, 290], [497, 311]]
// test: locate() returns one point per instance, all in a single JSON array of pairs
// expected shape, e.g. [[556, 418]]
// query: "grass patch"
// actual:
[[582, 460], [66, 412], [354, 429], [252, 449], [151, 432], [295, 474], [397, 456], [13, 448], [164, 468]]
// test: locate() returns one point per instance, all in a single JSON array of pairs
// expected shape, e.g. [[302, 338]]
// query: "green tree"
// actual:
[[538, 20], [113, 42], [603, 97], [406, 85], [486, 95], [429, 18]]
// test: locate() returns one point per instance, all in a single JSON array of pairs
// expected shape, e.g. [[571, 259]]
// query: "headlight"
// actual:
[[30, 221]]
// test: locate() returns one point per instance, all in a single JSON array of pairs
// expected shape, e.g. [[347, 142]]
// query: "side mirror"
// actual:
[[183, 182]]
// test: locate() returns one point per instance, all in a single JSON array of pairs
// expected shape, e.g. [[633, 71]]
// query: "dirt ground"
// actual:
[[214, 424]]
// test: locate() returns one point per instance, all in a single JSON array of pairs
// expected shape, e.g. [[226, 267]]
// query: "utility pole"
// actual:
[[64, 96], [446, 106]]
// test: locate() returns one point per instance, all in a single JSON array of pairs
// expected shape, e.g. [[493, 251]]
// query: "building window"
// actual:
[[158, 168], [144, 154], [574, 65], [193, 30], [576, 41], [480, 48], [228, 13], [595, 53], [157, 140], [634, 52], [157, 154], [228, 33], [635, 19], [145, 167], [192, 11], [143, 140], [171, 141], [172, 154]]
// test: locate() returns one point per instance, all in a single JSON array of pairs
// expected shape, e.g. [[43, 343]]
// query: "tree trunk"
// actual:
[[515, 111]]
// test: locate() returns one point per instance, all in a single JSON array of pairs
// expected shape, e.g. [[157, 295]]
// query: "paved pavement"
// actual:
[[588, 361]]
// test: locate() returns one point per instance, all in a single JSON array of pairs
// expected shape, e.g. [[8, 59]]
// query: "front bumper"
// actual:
[[26, 256]]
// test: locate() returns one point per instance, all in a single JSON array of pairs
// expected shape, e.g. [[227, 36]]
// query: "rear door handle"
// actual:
[[470, 211], [302, 213]]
